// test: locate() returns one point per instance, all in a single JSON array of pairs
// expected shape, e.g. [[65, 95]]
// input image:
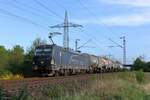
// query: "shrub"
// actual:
[[4, 72], [12, 77], [138, 64], [7, 75], [140, 77]]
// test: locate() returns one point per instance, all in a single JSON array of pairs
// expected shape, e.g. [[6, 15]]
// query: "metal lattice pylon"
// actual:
[[66, 26]]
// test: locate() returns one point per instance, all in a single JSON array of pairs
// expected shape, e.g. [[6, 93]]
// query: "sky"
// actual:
[[22, 21]]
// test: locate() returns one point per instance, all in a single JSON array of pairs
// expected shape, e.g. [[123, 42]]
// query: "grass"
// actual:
[[116, 86], [22, 95], [140, 76], [120, 86]]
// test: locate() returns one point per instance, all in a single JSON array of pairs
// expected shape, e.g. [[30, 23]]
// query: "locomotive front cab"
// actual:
[[42, 58]]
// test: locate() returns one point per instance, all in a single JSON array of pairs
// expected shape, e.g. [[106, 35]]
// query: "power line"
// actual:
[[32, 9], [56, 2], [21, 18], [24, 9], [45, 7], [84, 6], [91, 13], [27, 6]]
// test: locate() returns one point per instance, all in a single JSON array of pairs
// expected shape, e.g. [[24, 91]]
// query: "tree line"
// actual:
[[140, 64], [16, 60]]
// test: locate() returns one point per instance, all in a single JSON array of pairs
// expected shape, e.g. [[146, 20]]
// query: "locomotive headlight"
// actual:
[[52, 61], [33, 63], [35, 68], [42, 62]]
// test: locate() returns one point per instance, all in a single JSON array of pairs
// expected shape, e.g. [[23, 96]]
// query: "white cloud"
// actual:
[[142, 3], [141, 17], [126, 20]]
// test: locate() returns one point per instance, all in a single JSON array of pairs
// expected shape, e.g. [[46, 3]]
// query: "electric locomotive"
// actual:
[[54, 60]]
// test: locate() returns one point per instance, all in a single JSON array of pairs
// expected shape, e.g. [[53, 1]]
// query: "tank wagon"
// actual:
[[54, 60]]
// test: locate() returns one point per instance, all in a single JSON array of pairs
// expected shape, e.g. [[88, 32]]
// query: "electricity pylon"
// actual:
[[66, 26]]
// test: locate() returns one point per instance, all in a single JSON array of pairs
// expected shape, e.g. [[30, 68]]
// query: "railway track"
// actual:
[[12, 87]]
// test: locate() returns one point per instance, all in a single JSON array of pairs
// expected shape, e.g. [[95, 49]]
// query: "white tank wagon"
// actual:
[[111, 65], [93, 61], [102, 64]]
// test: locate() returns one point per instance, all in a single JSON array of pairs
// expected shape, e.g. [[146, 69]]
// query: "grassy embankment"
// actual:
[[120, 86], [116, 86]]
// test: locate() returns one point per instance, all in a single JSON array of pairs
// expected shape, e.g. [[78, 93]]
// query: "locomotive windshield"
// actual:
[[43, 51]]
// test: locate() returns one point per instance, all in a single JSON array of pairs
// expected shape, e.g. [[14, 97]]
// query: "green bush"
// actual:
[[140, 76], [141, 65], [4, 72], [138, 64]]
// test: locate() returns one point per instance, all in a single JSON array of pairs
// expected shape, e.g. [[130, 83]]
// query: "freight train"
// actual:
[[53, 60]]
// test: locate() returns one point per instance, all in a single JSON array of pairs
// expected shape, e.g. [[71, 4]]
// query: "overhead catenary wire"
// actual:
[[95, 40], [84, 44]]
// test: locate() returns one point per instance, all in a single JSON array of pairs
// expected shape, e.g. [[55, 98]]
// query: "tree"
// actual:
[[147, 67], [30, 51], [16, 59], [138, 64], [3, 57]]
